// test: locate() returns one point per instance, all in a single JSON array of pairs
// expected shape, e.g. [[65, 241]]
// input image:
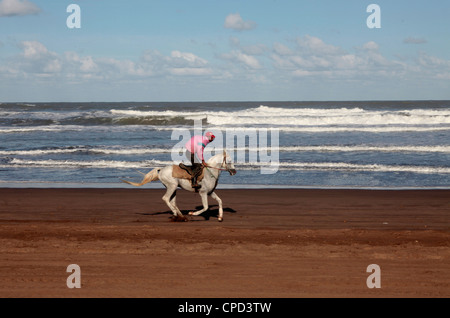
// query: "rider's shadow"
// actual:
[[213, 211]]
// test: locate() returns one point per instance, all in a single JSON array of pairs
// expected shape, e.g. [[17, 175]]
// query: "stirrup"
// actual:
[[194, 184], [196, 187]]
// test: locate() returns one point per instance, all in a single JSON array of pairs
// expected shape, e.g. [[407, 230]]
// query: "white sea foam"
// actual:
[[441, 149], [356, 143], [66, 164], [37, 152], [49, 128], [264, 115], [299, 166], [322, 129], [289, 119], [118, 150], [374, 129], [343, 166], [342, 148]]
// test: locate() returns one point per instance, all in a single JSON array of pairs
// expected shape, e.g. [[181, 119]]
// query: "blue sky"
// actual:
[[204, 50]]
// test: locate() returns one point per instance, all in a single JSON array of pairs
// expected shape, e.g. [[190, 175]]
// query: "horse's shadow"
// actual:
[[213, 211]]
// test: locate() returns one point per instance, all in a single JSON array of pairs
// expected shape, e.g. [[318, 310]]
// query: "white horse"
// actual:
[[215, 165]]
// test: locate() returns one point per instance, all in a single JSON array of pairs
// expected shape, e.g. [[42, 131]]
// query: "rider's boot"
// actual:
[[194, 184], [196, 170]]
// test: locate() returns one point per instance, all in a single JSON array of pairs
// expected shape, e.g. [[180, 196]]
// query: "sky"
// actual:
[[227, 50]]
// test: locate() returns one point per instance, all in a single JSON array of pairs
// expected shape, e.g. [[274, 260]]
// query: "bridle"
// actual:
[[224, 162]]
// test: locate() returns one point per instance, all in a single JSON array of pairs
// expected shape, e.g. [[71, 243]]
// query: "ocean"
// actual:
[[357, 144]]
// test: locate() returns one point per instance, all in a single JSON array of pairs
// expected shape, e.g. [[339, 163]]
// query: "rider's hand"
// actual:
[[204, 163]]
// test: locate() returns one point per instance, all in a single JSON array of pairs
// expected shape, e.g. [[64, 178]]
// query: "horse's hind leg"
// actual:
[[169, 198], [173, 201]]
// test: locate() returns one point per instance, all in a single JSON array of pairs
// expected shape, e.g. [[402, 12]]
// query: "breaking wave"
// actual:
[[381, 143], [300, 166], [120, 150], [289, 119]]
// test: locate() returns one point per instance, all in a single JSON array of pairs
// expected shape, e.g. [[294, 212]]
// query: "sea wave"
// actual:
[[299, 166], [67, 164], [279, 116], [136, 150], [92, 120], [343, 166], [287, 129], [293, 118], [42, 128], [90, 150]]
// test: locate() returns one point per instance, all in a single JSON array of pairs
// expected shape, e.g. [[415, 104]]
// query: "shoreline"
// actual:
[[272, 243]]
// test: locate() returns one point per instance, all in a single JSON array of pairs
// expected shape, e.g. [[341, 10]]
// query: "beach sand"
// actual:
[[272, 243]]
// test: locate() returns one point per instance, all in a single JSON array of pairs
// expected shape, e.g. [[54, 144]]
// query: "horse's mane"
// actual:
[[217, 158]]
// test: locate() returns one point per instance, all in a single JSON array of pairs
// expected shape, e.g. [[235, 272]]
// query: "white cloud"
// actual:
[[190, 71], [371, 46], [281, 49], [187, 64], [428, 61], [248, 61], [314, 45], [234, 21], [37, 60], [154, 64], [9, 8], [34, 50], [312, 57], [308, 59], [85, 64], [186, 59], [413, 40], [255, 49], [433, 67], [52, 66], [252, 49]]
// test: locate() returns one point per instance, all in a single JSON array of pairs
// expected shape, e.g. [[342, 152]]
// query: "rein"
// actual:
[[220, 169]]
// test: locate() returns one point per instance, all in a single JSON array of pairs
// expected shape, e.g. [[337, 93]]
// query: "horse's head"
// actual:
[[222, 162], [227, 164]]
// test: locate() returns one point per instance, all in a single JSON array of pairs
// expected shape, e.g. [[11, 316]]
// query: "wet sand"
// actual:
[[273, 243]]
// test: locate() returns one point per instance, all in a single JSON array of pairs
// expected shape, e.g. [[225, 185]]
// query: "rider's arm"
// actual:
[[200, 148]]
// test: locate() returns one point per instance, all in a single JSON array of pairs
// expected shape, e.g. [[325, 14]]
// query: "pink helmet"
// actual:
[[210, 136]]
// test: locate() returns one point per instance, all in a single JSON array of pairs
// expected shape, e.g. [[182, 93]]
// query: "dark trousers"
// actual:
[[196, 167], [191, 157]]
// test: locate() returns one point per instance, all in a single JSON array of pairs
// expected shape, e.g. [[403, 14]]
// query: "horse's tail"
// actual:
[[149, 177]]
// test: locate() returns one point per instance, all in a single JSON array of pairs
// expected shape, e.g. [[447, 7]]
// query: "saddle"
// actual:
[[188, 172]]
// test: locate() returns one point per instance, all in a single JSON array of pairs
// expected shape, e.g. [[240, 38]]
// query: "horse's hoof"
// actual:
[[191, 213], [220, 219]]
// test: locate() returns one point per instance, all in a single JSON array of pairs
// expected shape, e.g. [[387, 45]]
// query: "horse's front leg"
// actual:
[[204, 197], [219, 200]]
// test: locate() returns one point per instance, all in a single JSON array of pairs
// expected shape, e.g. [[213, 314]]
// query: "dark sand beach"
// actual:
[[272, 243]]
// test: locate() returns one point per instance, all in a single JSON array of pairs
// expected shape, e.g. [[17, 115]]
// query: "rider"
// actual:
[[195, 146]]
